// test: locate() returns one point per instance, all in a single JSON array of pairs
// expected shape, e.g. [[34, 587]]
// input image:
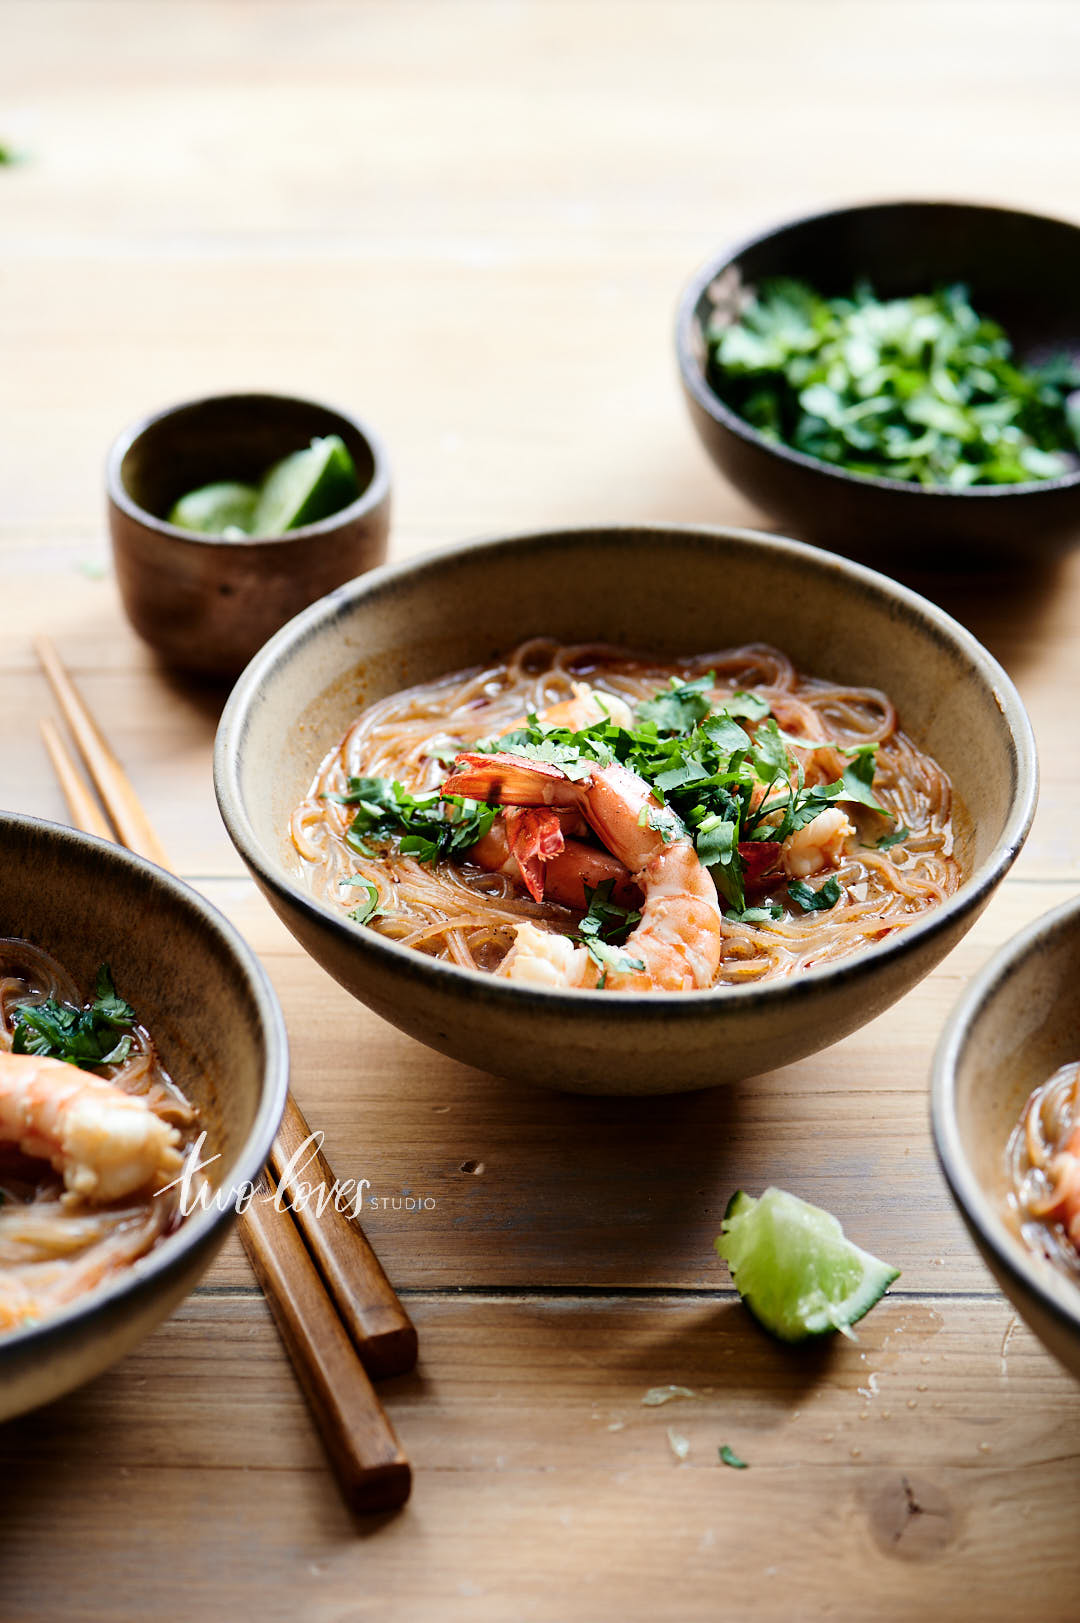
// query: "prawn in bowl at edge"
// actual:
[[92, 1136]]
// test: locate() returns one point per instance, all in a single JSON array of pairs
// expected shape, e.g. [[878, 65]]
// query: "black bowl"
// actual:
[[1022, 269]]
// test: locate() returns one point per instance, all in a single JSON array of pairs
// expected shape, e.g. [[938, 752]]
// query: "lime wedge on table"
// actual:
[[305, 487], [213, 509], [795, 1269]]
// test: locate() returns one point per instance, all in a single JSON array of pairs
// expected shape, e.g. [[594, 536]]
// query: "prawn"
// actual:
[[818, 844], [679, 939], [104, 1142], [536, 847]]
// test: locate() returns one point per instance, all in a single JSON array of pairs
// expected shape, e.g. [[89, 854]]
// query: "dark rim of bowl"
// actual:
[[142, 1275], [1058, 1295], [695, 380], [637, 1005], [374, 492]]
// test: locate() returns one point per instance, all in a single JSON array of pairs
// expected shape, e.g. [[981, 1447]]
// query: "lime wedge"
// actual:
[[794, 1268], [305, 487], [213, 509]]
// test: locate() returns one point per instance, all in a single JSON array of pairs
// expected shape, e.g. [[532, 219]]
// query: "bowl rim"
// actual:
[[571, 1001], [143, 1276], [1057, 1295], [696, 383], [374, 493]]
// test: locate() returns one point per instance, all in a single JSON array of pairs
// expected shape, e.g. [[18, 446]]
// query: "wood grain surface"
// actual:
[[470, 222]]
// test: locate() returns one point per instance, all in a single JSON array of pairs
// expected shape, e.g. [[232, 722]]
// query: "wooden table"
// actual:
[[471, 222]]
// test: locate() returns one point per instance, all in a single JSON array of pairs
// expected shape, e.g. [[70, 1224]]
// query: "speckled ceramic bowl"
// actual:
[[669, 590], [1016, 1024], [206, 1001]]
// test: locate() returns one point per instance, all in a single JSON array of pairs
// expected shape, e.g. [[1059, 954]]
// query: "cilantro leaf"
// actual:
[[814, 901], [858, 779], [757, 915], [894, 838], [728, 1456], [366, 910], [96, 1035], [682, 708]]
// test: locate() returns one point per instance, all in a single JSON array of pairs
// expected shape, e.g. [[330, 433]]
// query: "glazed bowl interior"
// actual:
[[1022, 269], [1015, 1026], [200, 992], [669, 591], [230, 437]]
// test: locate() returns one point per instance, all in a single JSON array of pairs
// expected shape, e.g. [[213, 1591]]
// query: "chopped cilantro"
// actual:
[[728, 1456], [757, 915], [366, 910], [86, 1037], [679, 709], [894, 838], [922, 389], [427, 826], [604, 923], [811, 900]]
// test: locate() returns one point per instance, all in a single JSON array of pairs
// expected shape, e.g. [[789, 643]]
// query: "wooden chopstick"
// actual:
[[373, 1472], [370, 1465], [381, 1331], [110, 780], [85, 812]]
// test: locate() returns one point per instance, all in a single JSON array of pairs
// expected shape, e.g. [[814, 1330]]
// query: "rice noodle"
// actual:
[[457, 912], [1048, 1120]]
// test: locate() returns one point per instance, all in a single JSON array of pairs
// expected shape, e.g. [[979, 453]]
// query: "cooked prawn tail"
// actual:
[[510, 780], [535, 837]]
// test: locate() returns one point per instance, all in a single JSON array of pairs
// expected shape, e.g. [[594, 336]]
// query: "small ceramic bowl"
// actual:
[[671, 591], [1022, 269], [1015, 1025], [204, 603], [203, 996]]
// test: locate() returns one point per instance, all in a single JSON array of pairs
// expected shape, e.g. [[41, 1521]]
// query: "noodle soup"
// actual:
[[92, 1129], [1043, 1168], [587, 816]]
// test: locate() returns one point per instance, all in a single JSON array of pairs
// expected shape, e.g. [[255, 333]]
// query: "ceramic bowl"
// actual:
[[1016, 1024], [203, 996], [668, 590], [204, 603], [1023, 269]]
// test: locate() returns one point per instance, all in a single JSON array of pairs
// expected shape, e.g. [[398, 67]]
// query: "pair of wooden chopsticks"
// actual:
[[333, 1304]]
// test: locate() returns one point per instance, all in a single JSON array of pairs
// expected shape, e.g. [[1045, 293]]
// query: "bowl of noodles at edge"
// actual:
[[684, 598], [1005, 1111], [179, 1035]]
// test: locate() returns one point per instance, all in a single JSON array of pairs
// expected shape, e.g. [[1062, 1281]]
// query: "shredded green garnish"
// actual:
[[427, 826], [728, 1456], [706, 766], [892, 839], [921, 389], [811, 900], [604, 923], [84, 1037]]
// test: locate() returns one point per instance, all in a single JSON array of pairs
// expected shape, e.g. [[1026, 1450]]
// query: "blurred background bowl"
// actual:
[[203, 996], [204, 603], [667, 590], [1022, 269], [1015, 1025]]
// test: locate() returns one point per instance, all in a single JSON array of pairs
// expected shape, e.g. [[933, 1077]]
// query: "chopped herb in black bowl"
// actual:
[[923, 389]]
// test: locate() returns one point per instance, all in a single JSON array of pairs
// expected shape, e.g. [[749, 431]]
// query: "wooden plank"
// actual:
[[931, 1467]]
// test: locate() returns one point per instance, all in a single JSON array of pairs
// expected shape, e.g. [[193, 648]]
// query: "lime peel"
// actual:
[[794, 1267]]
